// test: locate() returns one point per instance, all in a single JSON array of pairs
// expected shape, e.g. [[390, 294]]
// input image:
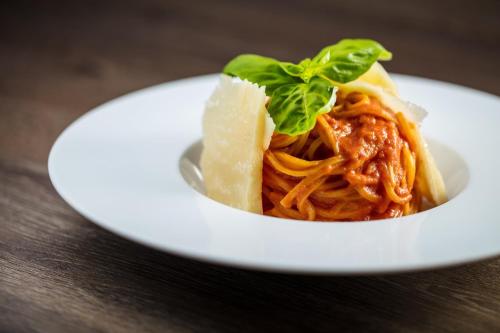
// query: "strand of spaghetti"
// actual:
[[357, 164], [275, 198], [368, 194], [389, 189], [294, 162], [287, 201], [394, 210], [407, 208], [328, 202], [306, 208], [276, 213], [397, 194], [359, 179], [336, 108], [334, 215], [407, 131], [402, 190], [403, 186], [270, 183], [299, 144], [275, 181], [282, 140], [390, 172], [416, 203], [326, 133], [305, 193], [383, 205], [359, 99], [410, 166], [266, 190], [333, 185], [270, 159], [313, 147], [335, 194]]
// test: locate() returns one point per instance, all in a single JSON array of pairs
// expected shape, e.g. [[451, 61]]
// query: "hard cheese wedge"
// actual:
[[236, 131], [378, 76]]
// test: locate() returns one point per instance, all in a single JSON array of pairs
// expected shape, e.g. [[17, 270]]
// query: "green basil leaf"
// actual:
[[299, 92], [305, 62], [294, 107], [348, 59], [263, 71], [292, 69], [303, 70]]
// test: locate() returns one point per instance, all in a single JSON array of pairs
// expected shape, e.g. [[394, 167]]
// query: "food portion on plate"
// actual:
[[327, 139]]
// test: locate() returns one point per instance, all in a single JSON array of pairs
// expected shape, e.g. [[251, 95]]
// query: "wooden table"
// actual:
[[61, 273]]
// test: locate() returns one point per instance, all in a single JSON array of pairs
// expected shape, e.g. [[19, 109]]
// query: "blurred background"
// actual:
[[61, 273], [60, 58]]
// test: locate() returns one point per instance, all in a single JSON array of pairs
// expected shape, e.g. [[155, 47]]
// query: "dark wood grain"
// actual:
[[61, 273]]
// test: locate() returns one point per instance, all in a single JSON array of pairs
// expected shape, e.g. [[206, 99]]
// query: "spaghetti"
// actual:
[[359, 162]]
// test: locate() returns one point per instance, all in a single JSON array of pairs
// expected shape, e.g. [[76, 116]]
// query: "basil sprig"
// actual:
[[300, 92]]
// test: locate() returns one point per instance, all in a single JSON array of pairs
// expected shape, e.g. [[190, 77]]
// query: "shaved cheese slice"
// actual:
[[378, 76], [268, 130], [430, 172], [236, 131]]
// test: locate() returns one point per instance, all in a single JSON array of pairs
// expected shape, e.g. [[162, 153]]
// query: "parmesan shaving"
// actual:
[[236, 131]]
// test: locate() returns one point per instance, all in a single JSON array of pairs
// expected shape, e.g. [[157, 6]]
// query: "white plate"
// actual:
[[120, 166]]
